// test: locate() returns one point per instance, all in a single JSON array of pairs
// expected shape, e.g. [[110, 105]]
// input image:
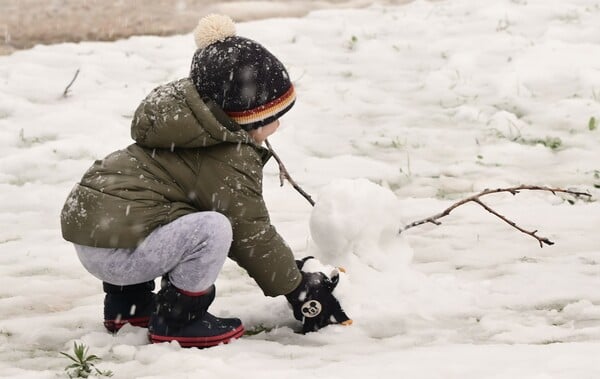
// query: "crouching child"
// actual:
[[188, 194]]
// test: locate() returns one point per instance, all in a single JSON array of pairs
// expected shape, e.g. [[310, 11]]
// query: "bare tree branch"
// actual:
[[284, 174], [66, 92], [476, 199]]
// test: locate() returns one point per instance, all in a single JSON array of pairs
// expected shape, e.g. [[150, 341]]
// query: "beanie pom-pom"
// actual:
[[213, 28]]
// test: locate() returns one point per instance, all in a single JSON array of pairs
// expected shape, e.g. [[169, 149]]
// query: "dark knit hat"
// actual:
[[242, 77]]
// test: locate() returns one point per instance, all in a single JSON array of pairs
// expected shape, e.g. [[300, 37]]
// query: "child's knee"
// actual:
[[220, 227]]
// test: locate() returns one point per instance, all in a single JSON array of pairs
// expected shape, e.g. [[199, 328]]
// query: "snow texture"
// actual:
[[401, 111]]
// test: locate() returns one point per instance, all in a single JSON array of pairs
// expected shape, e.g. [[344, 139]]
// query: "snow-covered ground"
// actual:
[[401, 111]]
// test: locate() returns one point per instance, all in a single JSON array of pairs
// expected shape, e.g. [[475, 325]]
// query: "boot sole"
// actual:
[[200, 341], [113, 326]]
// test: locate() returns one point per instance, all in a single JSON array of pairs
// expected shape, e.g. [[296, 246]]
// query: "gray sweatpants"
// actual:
[[191, 249]]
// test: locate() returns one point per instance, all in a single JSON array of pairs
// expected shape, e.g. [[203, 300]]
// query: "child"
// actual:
[[188, 193]]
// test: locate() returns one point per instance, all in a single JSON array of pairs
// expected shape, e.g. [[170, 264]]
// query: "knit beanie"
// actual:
[[242, 77]]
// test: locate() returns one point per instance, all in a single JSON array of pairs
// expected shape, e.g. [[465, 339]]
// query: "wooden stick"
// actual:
[[285, 175], [66, 92], [476, 199]]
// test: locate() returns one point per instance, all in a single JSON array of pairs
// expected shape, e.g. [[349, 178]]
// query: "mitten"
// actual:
[[313, 302]]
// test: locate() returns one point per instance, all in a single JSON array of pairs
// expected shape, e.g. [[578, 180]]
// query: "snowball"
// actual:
[[213, 28], [360, 219]]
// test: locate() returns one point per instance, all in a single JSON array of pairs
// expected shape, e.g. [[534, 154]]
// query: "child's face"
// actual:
[[262, 133]]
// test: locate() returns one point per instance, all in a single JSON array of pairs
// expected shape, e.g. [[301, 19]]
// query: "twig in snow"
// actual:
[[285, 175], [476, 199], [66, 92]]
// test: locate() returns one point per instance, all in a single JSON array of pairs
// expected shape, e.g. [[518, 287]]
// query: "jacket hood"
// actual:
[[175, 116]]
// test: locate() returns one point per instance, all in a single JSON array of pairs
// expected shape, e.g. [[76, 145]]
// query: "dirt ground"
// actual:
[[25, 23]]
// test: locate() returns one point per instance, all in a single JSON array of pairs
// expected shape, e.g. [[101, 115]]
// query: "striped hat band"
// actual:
[[265, 111]]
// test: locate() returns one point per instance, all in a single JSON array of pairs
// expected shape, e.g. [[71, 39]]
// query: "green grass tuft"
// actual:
[[83, 364], [593, 123]]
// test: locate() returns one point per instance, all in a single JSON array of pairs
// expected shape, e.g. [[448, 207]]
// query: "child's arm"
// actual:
[[232, 180]]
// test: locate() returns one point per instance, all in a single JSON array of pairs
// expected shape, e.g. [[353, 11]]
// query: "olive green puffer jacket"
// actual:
[[188, 157]]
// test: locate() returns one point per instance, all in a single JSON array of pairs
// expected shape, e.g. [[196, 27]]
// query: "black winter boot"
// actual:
[[183, 318], [313, 302], [128, 305]]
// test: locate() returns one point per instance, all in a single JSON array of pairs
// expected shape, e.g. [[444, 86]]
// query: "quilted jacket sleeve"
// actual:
[[235, 189]]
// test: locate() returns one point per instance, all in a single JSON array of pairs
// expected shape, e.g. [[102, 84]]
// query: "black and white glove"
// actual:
[[313, 302]]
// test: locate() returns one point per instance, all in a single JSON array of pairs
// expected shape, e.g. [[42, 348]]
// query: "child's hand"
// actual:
[[313, 301]]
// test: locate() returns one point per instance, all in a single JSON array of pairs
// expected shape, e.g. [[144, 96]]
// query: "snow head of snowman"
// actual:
[[356, 220]]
